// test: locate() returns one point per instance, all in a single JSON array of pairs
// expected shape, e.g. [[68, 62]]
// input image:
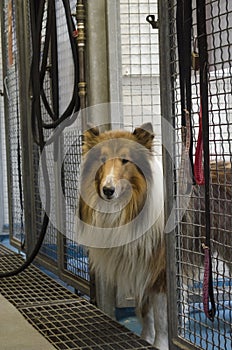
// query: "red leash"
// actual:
[[198, 166], [208, 285], [208, 297]]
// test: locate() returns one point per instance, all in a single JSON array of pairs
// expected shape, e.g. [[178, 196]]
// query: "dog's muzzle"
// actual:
[[108, 191]]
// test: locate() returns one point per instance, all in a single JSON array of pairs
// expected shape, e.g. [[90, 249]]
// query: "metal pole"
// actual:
[[98, 106], [1, 143], [6, 110], [97, 63], [81, 44], [23, 47], [167, 115], [115, 63]]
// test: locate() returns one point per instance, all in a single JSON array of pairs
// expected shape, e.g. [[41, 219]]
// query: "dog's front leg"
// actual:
[[161, 321], [148, 329]]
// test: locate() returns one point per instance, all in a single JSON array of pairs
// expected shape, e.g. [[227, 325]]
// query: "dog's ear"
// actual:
[[89, 138], [145, 135], [92, 129]]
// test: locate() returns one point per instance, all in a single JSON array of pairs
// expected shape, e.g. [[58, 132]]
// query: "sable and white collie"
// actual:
[[122, 220]]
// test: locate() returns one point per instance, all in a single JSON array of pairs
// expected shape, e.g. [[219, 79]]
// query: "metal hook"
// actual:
[[151, 19]]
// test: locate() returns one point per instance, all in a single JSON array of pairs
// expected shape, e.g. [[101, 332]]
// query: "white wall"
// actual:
[[140, 65]]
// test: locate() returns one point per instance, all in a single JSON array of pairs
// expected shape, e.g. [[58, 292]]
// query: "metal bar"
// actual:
[[97, 60], [2, 148], [115, 63], [81, 43], [23, 47], [1, 154], [6, 112], [82, 90], [168, 166], [98, 103]]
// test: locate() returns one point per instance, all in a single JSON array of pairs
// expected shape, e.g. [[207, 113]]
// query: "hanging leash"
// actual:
[[208, 295], [201, 174], [185, 183], [184, 28], [198, 164]]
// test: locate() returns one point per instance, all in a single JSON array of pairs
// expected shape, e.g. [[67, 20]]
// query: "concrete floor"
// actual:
[[15, 331]]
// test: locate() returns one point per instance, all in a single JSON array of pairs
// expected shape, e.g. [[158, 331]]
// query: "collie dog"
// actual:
[[122, 220]]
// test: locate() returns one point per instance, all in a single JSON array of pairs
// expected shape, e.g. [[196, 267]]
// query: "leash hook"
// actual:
[[153, 22]]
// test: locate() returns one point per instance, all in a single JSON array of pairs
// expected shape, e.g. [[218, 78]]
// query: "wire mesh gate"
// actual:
[[58, 253], [189, 327]]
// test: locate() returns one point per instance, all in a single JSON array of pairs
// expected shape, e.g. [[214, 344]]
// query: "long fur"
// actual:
[[139, 265], [130, 253]]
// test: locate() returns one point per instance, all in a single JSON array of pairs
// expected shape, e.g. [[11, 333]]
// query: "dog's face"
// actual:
[[118, 171], [119, 160]]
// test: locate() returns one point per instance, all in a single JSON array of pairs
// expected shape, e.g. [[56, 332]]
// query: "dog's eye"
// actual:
[[124, 161], [103, 159]]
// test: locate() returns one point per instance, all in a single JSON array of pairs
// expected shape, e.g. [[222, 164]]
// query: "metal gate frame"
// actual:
[[16, 65], [168, 166], [167, 48], [27, 152]]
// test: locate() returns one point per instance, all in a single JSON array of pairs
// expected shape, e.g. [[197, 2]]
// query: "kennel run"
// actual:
[[115, 61]]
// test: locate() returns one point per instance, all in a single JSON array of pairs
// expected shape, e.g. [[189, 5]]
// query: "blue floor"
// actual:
[[211, 335], [4, 239], [127, 317], [132, 323]]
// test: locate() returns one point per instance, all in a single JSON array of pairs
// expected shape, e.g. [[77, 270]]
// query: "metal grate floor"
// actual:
[[64, 319]]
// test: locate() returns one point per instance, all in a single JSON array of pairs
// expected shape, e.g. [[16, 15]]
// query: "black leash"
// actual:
[[184, 28], [208, 295]]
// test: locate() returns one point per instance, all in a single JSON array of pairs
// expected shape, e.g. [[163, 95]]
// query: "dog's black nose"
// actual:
[[108, 191]]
